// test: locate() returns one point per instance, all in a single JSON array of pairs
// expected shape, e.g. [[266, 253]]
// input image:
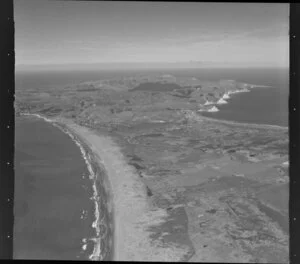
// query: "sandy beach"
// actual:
[[132, 214], [166, 225]]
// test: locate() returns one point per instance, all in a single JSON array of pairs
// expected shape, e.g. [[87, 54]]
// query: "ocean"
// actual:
[[53, 209], [261, 105]]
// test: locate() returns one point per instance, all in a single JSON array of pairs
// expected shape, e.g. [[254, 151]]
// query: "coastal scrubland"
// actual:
[[197, 189]]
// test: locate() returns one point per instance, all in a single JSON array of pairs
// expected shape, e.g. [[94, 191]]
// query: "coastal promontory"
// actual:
[[192, 188]]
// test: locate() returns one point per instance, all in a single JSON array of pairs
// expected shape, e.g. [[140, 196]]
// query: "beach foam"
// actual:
[[96, 255], [132, 215]]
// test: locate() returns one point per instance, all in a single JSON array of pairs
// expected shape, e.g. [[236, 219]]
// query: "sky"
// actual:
[[82, 32]]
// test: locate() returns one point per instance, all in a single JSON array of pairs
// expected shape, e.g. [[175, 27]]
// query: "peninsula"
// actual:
[[184, 187]]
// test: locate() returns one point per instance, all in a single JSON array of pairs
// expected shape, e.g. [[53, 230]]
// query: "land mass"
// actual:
[[185, 187]]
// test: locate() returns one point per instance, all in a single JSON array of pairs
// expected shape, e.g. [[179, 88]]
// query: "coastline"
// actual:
[[102, 190], [128, 203], [225, 99], [96, 175], [132, 214], [127, 196], [95, 178], [250, 125], [199, 117]]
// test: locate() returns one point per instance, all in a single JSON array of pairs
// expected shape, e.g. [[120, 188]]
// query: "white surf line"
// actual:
[[238, 91], [199, 117], [252, 125], [96, 255], [222, 101], [39, 116], [259, 86]]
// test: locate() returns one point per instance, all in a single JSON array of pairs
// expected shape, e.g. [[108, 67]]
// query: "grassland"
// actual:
[[220, 189]]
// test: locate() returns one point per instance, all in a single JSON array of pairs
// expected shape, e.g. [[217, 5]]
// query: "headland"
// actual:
[[184, 187]]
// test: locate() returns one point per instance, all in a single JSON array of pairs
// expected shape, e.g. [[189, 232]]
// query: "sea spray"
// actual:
[[96, 255]]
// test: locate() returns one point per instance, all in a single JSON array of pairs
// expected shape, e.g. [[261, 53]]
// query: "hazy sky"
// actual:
[[59, 32]]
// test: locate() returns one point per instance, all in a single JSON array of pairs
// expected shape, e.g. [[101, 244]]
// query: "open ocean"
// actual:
[[53, 209], [260, 105]]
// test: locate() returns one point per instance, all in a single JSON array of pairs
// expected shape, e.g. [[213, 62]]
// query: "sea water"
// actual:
[[259, 106], [262, 105], [54, 210]]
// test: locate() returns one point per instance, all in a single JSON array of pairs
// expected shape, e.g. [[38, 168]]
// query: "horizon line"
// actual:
[[144, 62], [145, 65]]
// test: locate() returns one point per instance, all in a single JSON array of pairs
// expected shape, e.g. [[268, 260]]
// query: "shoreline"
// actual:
[[199, 117], [92, 167], [127, 193], [133, 216], [93, 176], [101, 181], [250, 125], [231, 122]]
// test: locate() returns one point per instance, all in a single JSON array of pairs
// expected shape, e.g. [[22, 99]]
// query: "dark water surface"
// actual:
[[260, 105], [51, 191]]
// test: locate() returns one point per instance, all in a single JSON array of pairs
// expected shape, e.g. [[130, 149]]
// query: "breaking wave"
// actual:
[[96, 254]]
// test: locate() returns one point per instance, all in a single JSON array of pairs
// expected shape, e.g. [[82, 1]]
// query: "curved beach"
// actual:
[[128, 199], [123, 195], [54, 190], [167, 180]]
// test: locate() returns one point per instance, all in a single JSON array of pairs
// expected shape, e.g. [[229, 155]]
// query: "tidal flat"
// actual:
[[185, 187]]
